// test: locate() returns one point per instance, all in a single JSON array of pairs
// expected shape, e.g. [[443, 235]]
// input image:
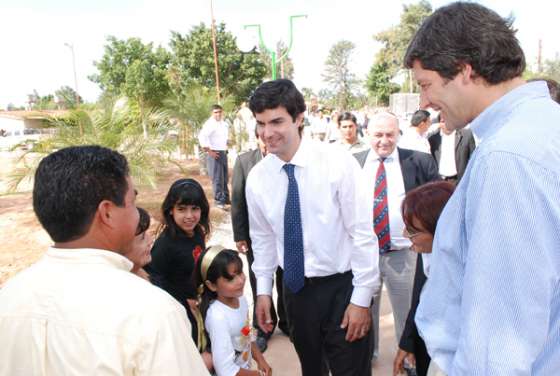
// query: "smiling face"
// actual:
[[139, 250], [279, 132], [383, 131], [450, 97], [186, 217]]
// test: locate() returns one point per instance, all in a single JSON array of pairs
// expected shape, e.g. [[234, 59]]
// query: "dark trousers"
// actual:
[[278, 314], [314, 317], [218, 171]]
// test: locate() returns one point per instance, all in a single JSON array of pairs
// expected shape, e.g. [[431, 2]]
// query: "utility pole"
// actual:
[[539, 57], [216, 66], [272, 52], [77, 96]]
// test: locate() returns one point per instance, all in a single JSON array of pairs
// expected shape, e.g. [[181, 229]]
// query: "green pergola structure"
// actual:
[[272, 52]]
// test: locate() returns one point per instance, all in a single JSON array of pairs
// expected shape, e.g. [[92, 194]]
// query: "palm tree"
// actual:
[[118, 126]]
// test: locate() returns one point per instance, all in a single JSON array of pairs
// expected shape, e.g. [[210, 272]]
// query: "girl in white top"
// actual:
[[219, 273]]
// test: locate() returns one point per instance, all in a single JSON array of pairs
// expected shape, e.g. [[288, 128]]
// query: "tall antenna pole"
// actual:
[[216, 67]]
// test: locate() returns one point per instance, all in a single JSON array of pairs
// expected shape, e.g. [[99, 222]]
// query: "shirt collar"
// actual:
[[494, 116], [300, 158], [90, 256], [394, 156]]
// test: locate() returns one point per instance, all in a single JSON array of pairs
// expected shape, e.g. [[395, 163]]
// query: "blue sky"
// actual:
[[34, 33]]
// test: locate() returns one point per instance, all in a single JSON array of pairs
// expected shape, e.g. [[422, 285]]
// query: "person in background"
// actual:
[[348, 128], [414, 137], [79, 310], [389, 172], [420, 211], [213, 138], [452, 150]]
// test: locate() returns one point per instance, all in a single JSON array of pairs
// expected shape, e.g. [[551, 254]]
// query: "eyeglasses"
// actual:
[[409, 233]]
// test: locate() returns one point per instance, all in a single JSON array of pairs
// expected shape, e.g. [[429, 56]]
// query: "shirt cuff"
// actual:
[[361, 296], [264, 286]]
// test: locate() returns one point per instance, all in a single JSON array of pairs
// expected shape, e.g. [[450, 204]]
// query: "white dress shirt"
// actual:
[[82, 312], [214, 134], [395, 194], [412, 140], [447, 165], [337, 230]]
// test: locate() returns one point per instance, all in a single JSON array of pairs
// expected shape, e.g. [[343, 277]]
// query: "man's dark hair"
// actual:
[[70, 184], [467, 33], [217, 107], [273, 94], [347, 116], [419, 117], [553, 87]]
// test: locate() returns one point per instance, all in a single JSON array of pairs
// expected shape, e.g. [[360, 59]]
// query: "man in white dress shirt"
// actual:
[[415, 137], [213, 138], [79, 310], [306, 215]]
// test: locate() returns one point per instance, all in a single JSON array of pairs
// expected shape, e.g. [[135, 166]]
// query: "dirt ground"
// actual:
[[22, 239]]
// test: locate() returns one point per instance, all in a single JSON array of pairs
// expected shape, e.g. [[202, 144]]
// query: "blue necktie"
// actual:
[[294, 274]]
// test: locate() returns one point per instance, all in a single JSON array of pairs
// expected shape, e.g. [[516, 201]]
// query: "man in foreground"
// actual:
[[306, 214], [79, 310], [491, 305]]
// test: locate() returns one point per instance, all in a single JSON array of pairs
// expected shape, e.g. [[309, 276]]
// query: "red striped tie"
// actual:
[[381, 209]]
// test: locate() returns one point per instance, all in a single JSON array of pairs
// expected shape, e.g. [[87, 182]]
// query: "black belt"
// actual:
[[327, 278], [446, 178]]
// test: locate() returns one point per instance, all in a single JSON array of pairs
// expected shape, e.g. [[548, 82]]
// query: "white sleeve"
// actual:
[[357, 220], [263, 240], [223, 353], [204, 135]]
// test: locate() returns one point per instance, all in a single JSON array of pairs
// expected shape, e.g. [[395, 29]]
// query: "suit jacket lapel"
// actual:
[[408, 169]]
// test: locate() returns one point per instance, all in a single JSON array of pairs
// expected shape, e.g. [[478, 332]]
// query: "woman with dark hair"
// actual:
[[182, 237], [420, 210], [139, 250]]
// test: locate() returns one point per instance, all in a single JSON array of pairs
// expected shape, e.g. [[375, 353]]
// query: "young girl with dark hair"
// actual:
[[219, 273], [182, 237]]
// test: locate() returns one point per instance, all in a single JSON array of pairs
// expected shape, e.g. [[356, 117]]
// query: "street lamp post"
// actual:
[[77, 96], [272, 52]]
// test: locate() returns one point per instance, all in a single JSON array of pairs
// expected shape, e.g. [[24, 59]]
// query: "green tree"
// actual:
[[115, 128], [552, 69], [191, 109], [41, 102], [337, 73], [192, 62], [66, 97], [379, 83], [132, 68], [395, 41]]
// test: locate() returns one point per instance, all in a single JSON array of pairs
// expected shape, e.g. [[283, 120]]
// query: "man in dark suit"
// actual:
[[452, 150], [240, 224], [390, 172]]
